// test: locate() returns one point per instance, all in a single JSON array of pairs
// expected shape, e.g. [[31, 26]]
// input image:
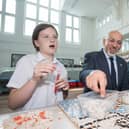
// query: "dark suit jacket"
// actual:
[[97, 61]]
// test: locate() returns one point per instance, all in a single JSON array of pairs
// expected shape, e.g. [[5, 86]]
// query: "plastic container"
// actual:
[[96, 106]]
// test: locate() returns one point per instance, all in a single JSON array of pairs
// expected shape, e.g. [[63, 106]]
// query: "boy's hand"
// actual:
[[43, 69], [61, 84]]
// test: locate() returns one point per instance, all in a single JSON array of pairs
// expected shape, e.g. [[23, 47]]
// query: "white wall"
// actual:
[[87, 40], [19, 44], [91, 39], [120, 21], [9, 46]]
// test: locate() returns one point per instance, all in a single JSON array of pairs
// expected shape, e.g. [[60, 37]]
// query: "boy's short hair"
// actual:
[[37, 30]]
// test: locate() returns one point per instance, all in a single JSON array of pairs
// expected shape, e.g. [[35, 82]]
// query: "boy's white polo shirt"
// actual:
[[44, 94]]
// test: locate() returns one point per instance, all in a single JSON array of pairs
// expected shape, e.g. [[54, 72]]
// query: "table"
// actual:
[[115, 118], [73, 117], [64, 122]]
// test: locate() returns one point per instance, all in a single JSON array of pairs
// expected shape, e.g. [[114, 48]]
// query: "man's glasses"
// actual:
[[117, 41]]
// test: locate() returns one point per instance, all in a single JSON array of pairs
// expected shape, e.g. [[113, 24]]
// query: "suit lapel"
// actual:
[[105, 63], [106, 67]]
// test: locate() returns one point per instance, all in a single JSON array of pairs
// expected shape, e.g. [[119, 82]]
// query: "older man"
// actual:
[[104, 69]]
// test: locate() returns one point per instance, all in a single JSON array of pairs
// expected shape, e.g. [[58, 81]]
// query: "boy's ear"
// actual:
[[36, 43], [103, 41]]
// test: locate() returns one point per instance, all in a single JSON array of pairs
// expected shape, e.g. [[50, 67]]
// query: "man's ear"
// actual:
[[104, 41]]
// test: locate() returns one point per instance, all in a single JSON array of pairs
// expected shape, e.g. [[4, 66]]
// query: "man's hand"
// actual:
[[97, 82]]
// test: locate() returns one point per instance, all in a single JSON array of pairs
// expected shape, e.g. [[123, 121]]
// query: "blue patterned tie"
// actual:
[[113, 74]]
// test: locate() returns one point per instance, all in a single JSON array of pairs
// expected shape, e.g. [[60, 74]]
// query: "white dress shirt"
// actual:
[[109, 64]]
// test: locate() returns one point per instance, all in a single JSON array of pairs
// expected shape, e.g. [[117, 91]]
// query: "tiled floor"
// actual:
[[4, 103]]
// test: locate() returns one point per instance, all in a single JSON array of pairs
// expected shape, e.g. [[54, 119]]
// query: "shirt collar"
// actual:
[[40, 57], [107, 56]]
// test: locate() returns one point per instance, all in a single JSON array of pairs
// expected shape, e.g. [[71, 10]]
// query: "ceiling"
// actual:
[[88, 8]]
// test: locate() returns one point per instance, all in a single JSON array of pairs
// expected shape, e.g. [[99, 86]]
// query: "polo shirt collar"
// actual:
[[40, 57]]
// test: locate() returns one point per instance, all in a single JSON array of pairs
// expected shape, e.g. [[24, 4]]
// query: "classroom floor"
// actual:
[[4, 103]]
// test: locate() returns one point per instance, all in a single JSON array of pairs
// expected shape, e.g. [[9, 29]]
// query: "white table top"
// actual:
[[64, 122]]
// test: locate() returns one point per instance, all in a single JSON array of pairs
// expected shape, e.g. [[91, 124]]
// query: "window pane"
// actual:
[[44, 2], [57, 28], [76, 36], [33, 1], [0, 5], [55, 17], [68, 20], [68, 35], [43, 14], [9, 24], [76, 22], [55, 4], [31, 11], [100, 24], [29, 26], [104, 21], [108, 18], [11, 6], [0, 21]]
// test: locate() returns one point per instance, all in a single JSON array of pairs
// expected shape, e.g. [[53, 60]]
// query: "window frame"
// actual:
[[3, 18], [37, 20], [72, 42]]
